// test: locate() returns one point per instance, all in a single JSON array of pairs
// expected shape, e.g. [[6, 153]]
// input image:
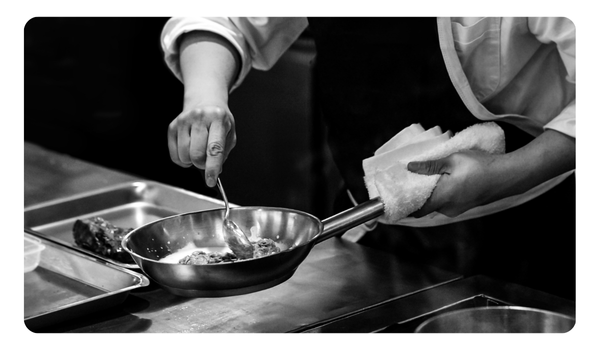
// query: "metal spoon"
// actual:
[[234, 236]]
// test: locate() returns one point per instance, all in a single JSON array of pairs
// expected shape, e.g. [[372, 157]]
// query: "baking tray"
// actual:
[[68, 284], [127, 205]]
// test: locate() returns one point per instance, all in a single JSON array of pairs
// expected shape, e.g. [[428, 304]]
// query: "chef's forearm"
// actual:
[[547, 156], [209, 66]]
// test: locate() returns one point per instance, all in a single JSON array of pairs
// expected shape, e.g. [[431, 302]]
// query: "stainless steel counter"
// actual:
[[337, 281], [49, 175], [340, 287], [405, 314]]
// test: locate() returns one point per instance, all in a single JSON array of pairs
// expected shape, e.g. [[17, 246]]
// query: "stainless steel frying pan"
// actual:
[[296, 231]]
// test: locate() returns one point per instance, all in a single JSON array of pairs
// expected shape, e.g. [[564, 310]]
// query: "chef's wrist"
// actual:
[[195, 99], [549, 155], [208, 69], [506, 178]]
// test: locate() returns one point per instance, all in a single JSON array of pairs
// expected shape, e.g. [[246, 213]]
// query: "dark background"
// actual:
[[99, 90]]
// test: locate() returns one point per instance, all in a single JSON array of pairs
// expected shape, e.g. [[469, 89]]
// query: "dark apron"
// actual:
[[376, 76]]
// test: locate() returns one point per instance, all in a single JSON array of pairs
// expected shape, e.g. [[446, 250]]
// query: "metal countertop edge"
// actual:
[[333, 320], [408, 307]]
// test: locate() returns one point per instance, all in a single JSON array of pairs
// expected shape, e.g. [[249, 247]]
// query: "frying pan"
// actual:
[[296, 232]]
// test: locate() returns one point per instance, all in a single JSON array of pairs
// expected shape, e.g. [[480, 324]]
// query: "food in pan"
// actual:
[[102, 237], [203, 258], [262, 247]]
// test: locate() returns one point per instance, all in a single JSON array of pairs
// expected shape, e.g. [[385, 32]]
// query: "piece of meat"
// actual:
[[262, 247], [202, 258], [101, 237]]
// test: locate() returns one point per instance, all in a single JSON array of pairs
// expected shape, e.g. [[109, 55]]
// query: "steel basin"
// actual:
[[498, 319]]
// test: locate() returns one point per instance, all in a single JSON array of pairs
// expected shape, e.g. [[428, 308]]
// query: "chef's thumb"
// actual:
[[428, 167]]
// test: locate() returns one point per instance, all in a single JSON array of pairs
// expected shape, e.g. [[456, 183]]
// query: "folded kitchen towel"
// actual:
[[404, 192]]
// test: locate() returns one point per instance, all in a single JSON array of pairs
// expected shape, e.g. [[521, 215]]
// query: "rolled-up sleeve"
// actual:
[[260, 41], [561, 31]]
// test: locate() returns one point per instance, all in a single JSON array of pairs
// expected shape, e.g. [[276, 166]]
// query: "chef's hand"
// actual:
[[202, 136], [464, 182], [473, 178], [204, 133]]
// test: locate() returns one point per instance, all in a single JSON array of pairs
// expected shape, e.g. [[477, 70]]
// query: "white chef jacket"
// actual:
[[516, 69]]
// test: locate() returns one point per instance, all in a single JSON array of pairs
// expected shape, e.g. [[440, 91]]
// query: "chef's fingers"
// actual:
[[199, 137], [172, 140], [215, 151], [231, 141], [429, 167], [183, 144], [426, 209]]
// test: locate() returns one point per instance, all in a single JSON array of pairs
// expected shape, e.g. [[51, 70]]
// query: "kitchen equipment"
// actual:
[[68, 284], [234, 236], [498, 319], [33, 250], [295, 231], [129, 204]]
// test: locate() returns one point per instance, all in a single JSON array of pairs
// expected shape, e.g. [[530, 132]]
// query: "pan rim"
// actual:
[[127, 237]]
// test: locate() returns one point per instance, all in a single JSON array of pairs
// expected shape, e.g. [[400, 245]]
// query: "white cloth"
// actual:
[[403, 192]]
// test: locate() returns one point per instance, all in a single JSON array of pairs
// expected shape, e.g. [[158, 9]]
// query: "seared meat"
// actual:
[[101, 237], [262, 247], [202, 258]]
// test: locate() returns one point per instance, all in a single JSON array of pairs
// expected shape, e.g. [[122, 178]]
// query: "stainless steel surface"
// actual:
[[149, 243], [234, 237], [405, 313], [322, 291], [498, 319], [350, 218], [67, 284], [130, 204], [50, 175], [295, 231], [323, 295]]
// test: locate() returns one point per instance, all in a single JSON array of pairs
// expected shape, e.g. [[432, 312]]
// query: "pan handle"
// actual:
[[350, 218]]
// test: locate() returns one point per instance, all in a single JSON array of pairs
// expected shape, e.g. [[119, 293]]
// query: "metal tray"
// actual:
[[126, 205], [67, 284]]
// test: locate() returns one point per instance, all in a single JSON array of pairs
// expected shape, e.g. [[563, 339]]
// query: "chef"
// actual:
[[508, 216]]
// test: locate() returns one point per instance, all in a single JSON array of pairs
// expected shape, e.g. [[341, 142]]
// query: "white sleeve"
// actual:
[[559, 30], [260, 41]]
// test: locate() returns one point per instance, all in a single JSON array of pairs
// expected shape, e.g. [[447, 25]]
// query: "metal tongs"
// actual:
[[234, 236]]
